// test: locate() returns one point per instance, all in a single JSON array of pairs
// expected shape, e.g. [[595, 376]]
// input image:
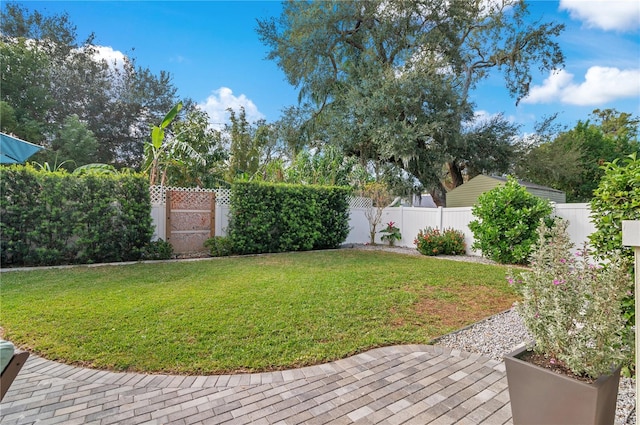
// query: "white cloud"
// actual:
[[220, 100], [616, 15], [114, 58], [601, 85]]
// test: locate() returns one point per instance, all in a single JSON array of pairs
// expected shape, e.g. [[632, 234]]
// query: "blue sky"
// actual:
[[215, 57]]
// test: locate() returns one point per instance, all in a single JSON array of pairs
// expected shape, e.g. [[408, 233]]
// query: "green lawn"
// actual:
[[252, 313]]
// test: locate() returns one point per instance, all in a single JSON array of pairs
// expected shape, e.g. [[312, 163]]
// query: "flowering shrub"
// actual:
[[391, 233], [573, 308], [453, 242], [433, 242]]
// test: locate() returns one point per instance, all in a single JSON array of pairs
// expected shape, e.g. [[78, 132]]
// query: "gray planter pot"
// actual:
[[539, 396]]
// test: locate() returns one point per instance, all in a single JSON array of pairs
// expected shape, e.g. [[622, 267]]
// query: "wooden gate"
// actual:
[[190, 220]]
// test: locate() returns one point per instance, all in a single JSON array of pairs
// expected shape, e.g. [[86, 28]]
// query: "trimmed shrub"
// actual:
[[508, 218], [49, 218], [433, 242], [219, 246], [268, 217], [157, 250]]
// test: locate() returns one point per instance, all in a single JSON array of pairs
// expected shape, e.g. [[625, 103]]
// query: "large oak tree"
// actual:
[[391, 79]]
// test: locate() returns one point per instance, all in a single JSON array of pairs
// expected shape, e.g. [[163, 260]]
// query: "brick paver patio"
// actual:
[[413, 384]]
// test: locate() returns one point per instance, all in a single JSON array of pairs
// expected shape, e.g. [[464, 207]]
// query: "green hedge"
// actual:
[[280, 217], [49, 218]]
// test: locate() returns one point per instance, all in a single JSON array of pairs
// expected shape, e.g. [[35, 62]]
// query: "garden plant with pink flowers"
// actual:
[[573, 307]]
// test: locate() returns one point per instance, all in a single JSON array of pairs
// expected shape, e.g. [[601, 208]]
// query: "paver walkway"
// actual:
[[412, 384]]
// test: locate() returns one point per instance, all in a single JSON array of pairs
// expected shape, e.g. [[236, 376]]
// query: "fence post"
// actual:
[[401, 226], [631, 237]]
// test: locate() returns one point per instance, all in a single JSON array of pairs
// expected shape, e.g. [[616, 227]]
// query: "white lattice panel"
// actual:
[[360, 202], [223, 196], [158, 194]]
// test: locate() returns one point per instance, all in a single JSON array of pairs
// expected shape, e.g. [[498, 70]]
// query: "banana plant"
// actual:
[[162, 151]]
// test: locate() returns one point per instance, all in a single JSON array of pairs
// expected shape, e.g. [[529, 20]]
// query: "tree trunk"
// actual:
[[455, 173], [439, 194]]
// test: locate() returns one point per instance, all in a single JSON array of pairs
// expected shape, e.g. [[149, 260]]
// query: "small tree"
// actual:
[[380, 198], [508, 217]]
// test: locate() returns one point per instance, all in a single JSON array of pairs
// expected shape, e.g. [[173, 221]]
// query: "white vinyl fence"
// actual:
[[410, 220]]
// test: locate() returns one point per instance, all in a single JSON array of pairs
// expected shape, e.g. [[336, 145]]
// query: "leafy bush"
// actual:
[[219, 246], [53, 218], [433, 242], [453, 242], [617, 198], [269, 217], [572, 308], [157, 250], [508, 217]]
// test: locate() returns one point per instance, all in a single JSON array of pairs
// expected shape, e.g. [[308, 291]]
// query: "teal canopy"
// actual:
[[14, 150]]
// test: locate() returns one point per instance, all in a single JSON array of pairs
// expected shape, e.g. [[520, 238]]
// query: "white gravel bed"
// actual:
[[504, 332]]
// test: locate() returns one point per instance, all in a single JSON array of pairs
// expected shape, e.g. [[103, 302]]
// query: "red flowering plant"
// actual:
[[573, 307], [433, 242], [391, 233]]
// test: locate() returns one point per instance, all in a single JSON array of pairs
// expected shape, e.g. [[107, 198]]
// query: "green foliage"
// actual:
[[327, 167], [281, 217], [219, 246], [372, 72], [573, 308], [247, 144], [58, 218], [204, 169], [49, 74], [74, 146], [617, 198], [163, 151], [157, 250], [433, 242], [391, 233], [507, 219], [572, 161]]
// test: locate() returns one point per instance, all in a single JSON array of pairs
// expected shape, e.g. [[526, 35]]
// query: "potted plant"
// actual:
[[573, 310], [391, 233]]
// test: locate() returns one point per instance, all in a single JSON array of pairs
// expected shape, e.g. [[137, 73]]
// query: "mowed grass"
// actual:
[[244, 314]]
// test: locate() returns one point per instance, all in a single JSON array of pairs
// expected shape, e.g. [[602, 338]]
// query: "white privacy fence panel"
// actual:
[[580, 224], [411, 220], [459, 219]]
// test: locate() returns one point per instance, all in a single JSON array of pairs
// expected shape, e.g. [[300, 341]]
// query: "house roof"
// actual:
[[527, 184]]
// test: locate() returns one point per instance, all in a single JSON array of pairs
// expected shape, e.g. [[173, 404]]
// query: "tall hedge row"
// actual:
[[280, 217], [49, 218]]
